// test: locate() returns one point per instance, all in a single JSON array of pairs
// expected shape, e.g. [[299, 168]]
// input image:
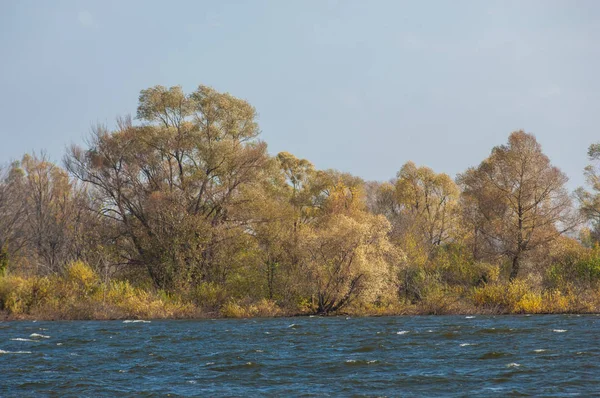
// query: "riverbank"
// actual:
[[80, 294]]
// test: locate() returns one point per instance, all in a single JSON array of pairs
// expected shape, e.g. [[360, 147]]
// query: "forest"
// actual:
[[181, 212]]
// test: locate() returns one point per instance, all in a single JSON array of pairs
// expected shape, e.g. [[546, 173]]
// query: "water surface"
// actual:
[[390, 356]]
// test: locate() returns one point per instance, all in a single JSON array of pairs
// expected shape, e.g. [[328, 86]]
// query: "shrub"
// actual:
[[20, 295]]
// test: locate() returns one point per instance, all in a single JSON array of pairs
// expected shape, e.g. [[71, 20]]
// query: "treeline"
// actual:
[[186, 214]]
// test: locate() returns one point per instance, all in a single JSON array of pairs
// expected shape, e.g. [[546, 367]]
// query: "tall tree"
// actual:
[[517, 199], [170, 184], [12, 207], [589, 200]]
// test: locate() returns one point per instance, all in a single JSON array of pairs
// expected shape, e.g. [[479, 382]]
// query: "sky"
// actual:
[[359, 86]]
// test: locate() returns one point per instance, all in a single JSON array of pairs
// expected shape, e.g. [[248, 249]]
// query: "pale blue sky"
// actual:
[[361, 86]]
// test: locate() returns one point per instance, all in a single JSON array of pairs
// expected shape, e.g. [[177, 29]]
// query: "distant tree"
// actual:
[[12, 206], [589, 200], [517, 199], [51, 214], [429, 200]]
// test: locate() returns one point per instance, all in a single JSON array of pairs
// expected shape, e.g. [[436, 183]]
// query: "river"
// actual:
[[549, 355]]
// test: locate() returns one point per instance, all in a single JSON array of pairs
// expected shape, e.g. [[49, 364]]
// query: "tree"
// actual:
[[170, 185], [589, 201], [346, 258], [517, 199], [429, 201], [12, 206]]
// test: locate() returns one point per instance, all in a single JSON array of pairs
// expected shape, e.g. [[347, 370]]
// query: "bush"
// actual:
[[3, 261], [575, 265], [20, 295], [263, 308], [501, 297], [82, 278]]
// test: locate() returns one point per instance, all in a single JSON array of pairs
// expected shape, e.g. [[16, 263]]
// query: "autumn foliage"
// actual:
[[183, 213]]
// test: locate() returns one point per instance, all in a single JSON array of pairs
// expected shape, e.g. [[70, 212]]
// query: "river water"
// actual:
[[552, 355]]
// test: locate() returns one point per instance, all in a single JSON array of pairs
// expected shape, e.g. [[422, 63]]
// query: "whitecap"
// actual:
[[41, 336], [513, 365], [210, 363], [469, 317], [135, 321], [258, 351], [430, 331], [539, 350], [373, 361], [292, 325], [267, 332], [21, 339], [402, 332], [14, 352], [466, 344], [192, 381], [559, 330], [58, 343], [350, 360]]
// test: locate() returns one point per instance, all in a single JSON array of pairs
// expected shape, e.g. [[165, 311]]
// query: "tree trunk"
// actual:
[[514, 271]]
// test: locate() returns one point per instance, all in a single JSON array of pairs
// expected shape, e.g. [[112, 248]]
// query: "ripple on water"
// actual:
[[360, 362], [366, 348], [339, 358], [495, 355], [2, 352], [38, 336]]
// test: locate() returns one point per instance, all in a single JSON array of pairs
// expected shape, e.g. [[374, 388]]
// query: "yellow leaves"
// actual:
[[82, 277], [349, 256], [430, 200]]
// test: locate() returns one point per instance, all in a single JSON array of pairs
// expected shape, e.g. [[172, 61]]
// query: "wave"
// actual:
[[513, 365], [494, 355], [470, 317], [14, 352], [539, 350], [358, 362], [402, 332], [559, 330], [39, 336], [466, 344], [135, 321]]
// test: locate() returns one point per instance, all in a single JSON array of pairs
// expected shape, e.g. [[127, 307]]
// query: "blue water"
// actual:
[[390, 356]]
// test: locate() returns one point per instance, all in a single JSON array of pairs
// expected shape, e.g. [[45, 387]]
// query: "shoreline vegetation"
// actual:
[[184, 214]]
